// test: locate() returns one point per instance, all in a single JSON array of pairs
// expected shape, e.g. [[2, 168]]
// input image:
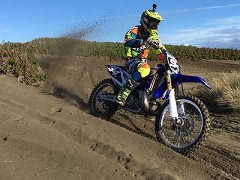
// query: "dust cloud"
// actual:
[[83, 32]]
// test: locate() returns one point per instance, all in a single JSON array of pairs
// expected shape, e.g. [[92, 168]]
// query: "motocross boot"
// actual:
[[125, 91]]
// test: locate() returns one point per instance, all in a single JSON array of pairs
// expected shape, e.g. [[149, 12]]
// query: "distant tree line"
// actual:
[[192, 52], [22, 59], [64, 46]]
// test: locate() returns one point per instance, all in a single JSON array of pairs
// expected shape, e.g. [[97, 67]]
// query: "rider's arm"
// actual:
[[159, 46], [131, 39]]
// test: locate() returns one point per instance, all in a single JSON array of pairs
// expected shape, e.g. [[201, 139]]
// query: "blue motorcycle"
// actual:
[[182, 121]]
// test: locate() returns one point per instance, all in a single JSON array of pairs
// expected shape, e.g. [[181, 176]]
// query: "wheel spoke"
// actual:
[[183, 133], [100, 107]]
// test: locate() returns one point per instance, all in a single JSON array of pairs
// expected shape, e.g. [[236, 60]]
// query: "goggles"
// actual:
[[154, 24]]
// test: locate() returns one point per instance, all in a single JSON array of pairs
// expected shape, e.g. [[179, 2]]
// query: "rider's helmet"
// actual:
[[150, 19]]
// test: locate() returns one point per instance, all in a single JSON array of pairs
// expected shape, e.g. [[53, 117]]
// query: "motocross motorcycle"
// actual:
[[182, 121]]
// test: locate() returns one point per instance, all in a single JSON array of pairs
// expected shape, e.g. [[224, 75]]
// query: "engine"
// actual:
[[132, 100], [137, 102]]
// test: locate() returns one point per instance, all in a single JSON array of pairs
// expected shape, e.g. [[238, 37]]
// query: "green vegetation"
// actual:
[[64, 46], [225, 93], [20, 60]]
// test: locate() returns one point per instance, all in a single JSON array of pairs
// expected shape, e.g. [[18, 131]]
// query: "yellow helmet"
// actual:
[[150, 19]]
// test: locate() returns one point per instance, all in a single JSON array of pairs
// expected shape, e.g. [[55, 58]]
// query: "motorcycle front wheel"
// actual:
[[103, 108], [189, 131]]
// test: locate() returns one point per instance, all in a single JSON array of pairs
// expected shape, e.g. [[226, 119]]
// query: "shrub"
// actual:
[[20, 60]]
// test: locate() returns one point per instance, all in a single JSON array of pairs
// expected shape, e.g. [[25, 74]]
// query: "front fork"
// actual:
[[172, 99]]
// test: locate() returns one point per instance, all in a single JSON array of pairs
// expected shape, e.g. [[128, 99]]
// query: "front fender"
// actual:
[[181, 78]]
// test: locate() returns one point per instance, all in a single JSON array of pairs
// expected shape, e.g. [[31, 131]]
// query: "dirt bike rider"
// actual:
[[138, 40]]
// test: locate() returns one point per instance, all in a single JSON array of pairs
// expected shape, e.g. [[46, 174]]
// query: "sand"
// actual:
[[47, 132]]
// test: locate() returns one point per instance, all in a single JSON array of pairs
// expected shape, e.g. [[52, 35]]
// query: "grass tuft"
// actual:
[[225, 93]]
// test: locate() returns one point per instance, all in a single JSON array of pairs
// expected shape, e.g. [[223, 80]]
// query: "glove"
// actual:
[[161, 57], [141, 49], [153, 43]]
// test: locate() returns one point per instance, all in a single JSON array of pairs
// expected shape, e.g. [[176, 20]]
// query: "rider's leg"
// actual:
[[142, 70], [125, 91]]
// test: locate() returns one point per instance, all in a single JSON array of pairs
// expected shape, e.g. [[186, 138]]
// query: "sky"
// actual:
[[202, 23]]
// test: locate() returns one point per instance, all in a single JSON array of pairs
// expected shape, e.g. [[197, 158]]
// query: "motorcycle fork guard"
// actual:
[[172, 99]]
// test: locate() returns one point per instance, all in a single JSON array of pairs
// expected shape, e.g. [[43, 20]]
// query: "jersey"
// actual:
[[134, 39]]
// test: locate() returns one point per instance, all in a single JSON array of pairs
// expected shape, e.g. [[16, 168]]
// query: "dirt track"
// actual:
[[50, 135]]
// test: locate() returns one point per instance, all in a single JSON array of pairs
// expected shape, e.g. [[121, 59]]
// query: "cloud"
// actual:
[[204, 8], [224, 33], [219, 33], [224, 38]]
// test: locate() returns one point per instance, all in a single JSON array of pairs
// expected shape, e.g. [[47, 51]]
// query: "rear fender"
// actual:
[[118, 74]]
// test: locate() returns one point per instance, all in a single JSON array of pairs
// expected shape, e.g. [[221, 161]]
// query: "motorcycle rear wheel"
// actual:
[[191, 132], [103, 108]]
